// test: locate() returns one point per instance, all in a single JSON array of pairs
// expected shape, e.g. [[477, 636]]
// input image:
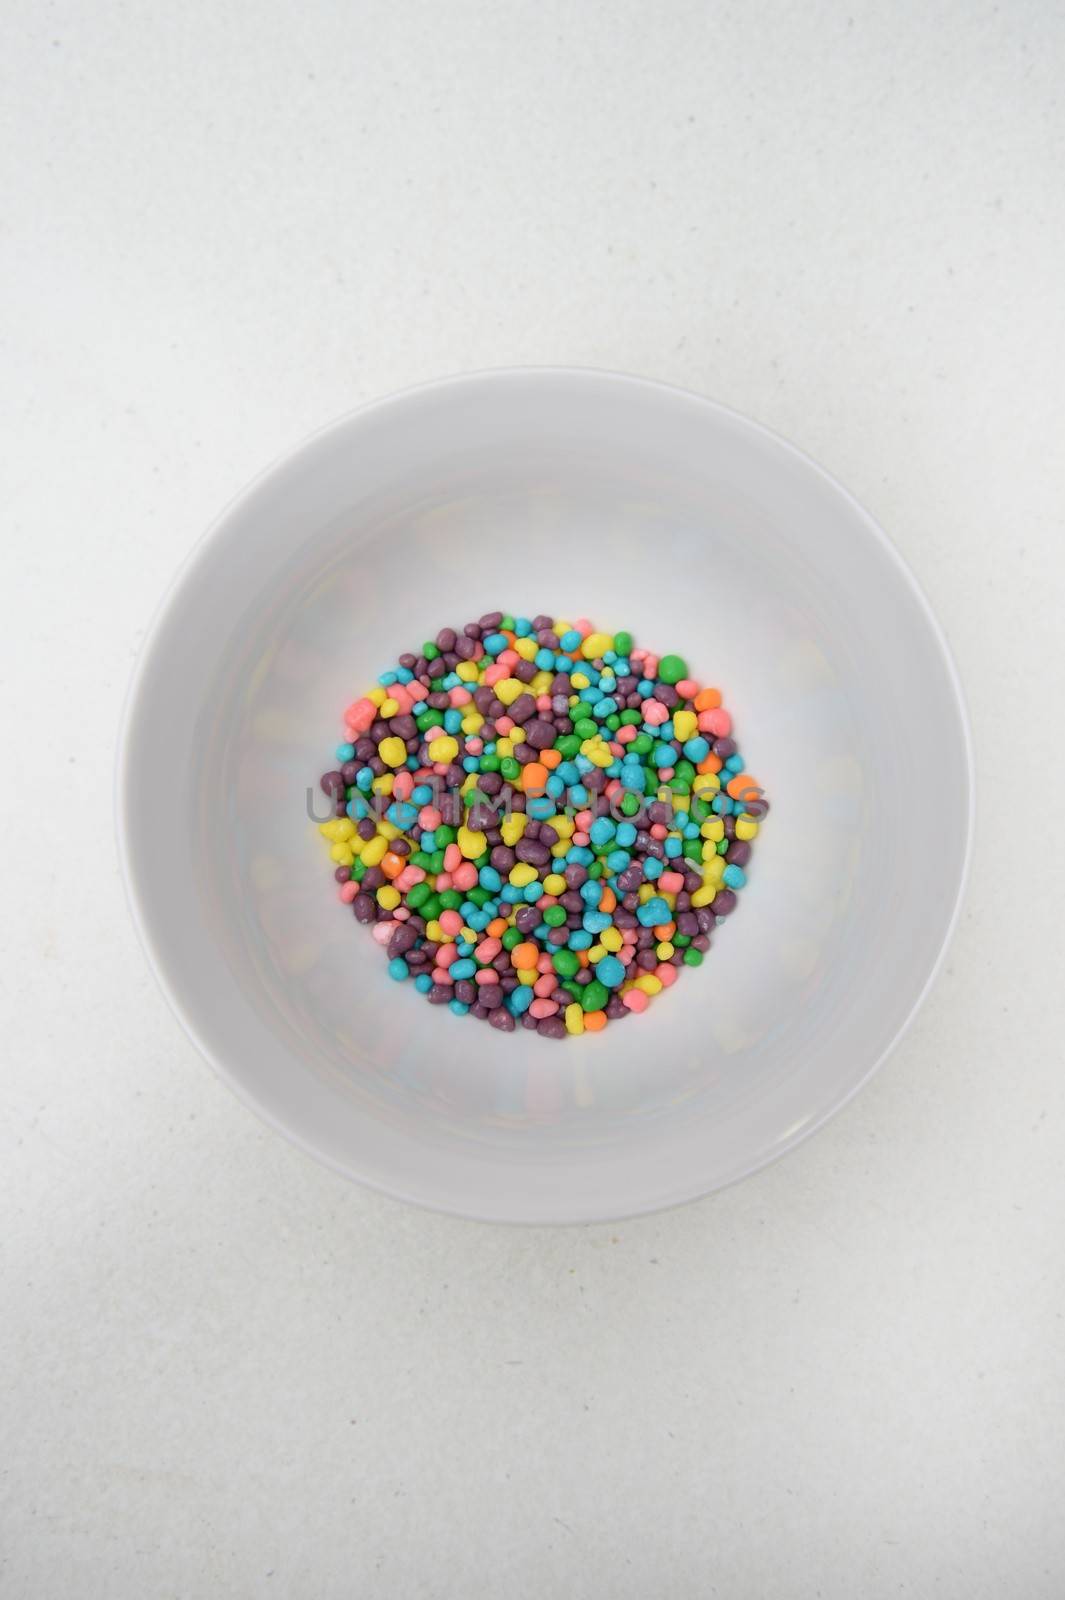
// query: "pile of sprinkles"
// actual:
[[540, 823]]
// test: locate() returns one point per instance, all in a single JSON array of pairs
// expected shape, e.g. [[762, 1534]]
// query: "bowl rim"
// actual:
[[185, 575]]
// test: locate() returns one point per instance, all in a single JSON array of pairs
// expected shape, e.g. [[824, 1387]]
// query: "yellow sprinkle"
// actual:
[[707, 783], [610, 938], [664, 950], [541, 683], [574, 1018], [580, 680], [703, 896], [504, 747], [344, 828], [393, 752], [596, 644], [383, 784], [746, 827], [597, 752], [435, 932], [467, 671], [563, 826], [468, 784], [522, 875], [472, 721], [714, 869], [341, 853], [389, 707], [472, 843], [648, 983], [527, 976], [513, 827], [387, 830], [685, 725], [526, 648], [554, 883], [377, 696], [645, 891], [443, 749], [388, 896], [469, 936], [596, 953], [374, 851], [508, 689], [560, 849]]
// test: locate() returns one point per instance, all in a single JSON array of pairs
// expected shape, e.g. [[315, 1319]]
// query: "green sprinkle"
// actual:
[[692, 958], [511, 938], [623, 643], [555, 916], [594, 995], [450, 899], [430, 652], [671, 669], [565, 962]]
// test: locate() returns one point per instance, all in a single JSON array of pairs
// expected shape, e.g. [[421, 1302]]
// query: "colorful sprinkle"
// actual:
[[541, 823]]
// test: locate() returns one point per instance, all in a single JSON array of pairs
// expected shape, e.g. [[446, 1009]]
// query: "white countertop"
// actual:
[[223, 1371]]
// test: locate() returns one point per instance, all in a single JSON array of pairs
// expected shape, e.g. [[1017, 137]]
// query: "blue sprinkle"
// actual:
[[398, 969], [604, 708], [618, 860], [696, 749], [421, 794], [580, 939], [489, 878], [626, 834], [462, 969], [591, 892], [520, 999], [427, 841], [402, 814], [423, 983], [457, 1007], [404, 675], [722, 805], [364, 779], [652, 868], [664, 755], [580, 855], [494, 643], [387, 679], [539, 808], [345, 752], [644, 688], [653, 912], [357, 808], [673, 847], [734, 763], [532, 892], [579, 795], [610, 971], [596, 921], [452, 720], [555, 785], [601, 830], [511, 895], [570, 640], [522, 627], [544, 659], [734, 876]]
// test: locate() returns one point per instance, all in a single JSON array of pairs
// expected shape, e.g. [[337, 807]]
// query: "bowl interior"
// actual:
[[575, 494]]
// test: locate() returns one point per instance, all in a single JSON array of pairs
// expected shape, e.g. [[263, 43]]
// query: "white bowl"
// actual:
[[576, 493]]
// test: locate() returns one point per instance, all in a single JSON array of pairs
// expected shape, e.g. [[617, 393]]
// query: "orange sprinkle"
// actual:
[[708, 699], [711, 763], [742, 784], [594, 1020], [524, 956], [533, 777], [392, 865], [665, 930], [608, 900], [497, 927], [550, 759], [584, 958]]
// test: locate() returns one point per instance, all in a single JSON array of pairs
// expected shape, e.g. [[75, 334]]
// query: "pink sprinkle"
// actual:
[[441, 975], [486, 975], [626, 734], [383, 931], [446, 954], [667, 975], [687, 688], [401, 913], [650, 664], [452, 858], [496, 673], [635, 999], [543, 1008], [465, 877], [543, 962], [474, 746], [665, 773], [459, 696], [508, 658], [416, 690], [443, 881], [435, 732], [583, 627], [408, 878], [487, 950], [543, 702], [429, 818], [451, 922], [580, 838], [671, 882], [359, 715], [627, 954], [718, 722], [654, 713], [348, 891], [638, 654], [584, 819], [402, 784], [399, 694], [658, 830], [545, 985], [504, 725]]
